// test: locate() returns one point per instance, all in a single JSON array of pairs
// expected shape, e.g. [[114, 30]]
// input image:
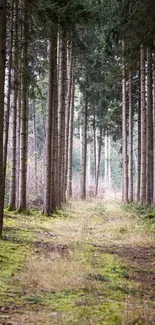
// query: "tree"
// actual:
[[2, 79]]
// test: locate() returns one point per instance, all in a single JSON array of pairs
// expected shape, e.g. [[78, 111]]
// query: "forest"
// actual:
[[77, 162]]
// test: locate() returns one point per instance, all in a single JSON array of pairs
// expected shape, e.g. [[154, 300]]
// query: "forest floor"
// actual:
[[92, 263]]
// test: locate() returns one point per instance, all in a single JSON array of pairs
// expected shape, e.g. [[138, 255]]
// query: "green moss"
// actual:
[[12, 257]]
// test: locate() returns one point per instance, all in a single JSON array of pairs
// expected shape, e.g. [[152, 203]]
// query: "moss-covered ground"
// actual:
[[91, 263]]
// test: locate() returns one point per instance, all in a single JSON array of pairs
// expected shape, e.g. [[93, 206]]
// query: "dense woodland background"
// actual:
[[77, 101]]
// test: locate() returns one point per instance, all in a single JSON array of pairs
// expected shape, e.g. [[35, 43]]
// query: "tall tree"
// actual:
[[84, 149], [2, 79], [130, 140], [9, 86], [12, 194], [48, 149], [24, 114], [143, 127], [149, 131], [124, 132]]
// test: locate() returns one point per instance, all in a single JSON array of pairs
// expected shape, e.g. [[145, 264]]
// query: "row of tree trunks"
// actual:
[[145, 117], [59, 130]]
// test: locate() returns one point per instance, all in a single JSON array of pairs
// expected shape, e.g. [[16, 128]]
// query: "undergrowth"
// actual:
[[82, 266]]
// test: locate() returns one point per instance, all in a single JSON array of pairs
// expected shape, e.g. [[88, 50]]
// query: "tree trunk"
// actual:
[[35, 145], [139, 151], [130, 140], [106, 161], [62, 115], [98, 161], [2, 80], [124, 135], [149, 132], [24, 111], [84, 151], [143, 127], [48, 149], [94, 138], [12, 194], [154, 134], [109, 163], [68, 110], [70, 159], [19, 105], [9, 80], [55, 176]]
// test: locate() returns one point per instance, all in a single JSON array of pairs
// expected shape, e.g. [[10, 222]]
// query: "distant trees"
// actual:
[[55, 54]]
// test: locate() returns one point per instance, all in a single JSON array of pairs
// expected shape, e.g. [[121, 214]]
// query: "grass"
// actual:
[[93, 263]]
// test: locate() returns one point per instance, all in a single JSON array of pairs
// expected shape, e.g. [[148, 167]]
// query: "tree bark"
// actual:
[[48, 149], [84, 151], [130, 140], [55, 176], [35, 145], [143, 127], [154, 134], [68, 109], [98, 161], [124, 134], [106, 161], [12, 194], [2, 80], [149, 132], [62, 115], [9, 86], [94, 138], [24, 113], [109, 163], [139, 151], [70, 159]]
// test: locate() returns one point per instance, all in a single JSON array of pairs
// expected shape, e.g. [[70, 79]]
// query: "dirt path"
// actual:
[[94, 264]]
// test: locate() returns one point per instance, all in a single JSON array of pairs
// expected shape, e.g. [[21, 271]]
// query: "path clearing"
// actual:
[[95, 264]]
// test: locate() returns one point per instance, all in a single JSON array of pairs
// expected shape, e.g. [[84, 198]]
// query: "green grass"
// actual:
[[86, 277]]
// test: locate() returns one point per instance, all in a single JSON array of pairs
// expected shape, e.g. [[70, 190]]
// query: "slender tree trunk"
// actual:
[[124, 135], [149, 132], [130, 140], [106, 161], [84, 151], [70, 160], [143, 127], [24, 111], [55, 176], [2, 80], [98, 161], [95, 160], [35, 145], [109, 163], [19, 105], [48, 149], [154, 134], [139, 151], [9, 79], [68, 110], [62, 106], [12, 194]]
